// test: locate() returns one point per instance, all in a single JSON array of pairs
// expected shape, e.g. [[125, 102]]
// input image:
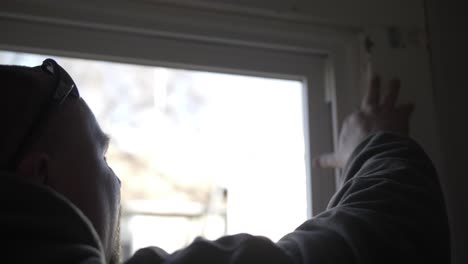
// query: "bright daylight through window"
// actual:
[[199, 153]]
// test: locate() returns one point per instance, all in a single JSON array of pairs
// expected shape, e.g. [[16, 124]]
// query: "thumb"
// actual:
[[329, 160]]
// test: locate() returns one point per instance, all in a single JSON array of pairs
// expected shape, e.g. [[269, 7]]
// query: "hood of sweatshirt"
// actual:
[[38, 225]]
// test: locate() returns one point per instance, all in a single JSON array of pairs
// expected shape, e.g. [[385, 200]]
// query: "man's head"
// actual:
[[66, 152]]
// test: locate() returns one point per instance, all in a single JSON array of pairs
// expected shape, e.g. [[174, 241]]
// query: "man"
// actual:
[[61, 200], [56, 181]]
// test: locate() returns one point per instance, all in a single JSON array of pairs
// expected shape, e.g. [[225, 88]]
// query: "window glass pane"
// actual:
[[199, 153]]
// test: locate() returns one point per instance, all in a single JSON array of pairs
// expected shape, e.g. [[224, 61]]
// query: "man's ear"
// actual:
[[34, 167]]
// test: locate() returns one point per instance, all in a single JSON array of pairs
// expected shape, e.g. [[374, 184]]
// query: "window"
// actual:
[[199, 153], [176, 39]]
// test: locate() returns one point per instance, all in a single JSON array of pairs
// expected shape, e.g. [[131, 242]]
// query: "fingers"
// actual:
[[327, 161], [389, 100], [371, 99]]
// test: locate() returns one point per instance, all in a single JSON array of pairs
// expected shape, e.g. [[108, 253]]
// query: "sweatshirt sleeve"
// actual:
[[390, 209]]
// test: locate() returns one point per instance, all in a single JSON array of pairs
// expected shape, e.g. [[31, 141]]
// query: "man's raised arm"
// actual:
[[390, 207]]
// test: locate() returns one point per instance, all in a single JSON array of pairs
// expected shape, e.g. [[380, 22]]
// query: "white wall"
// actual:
[[410, 63]]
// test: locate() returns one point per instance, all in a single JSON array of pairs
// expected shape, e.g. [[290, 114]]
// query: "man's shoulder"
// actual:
[[40, 225]]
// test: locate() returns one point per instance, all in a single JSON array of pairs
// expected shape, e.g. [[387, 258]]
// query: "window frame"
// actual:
[[326, 59]]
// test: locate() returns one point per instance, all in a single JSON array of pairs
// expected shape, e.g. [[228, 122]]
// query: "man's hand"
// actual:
[[375, 115]]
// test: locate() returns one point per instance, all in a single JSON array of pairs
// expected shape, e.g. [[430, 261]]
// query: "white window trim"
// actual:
[[326, 58]]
